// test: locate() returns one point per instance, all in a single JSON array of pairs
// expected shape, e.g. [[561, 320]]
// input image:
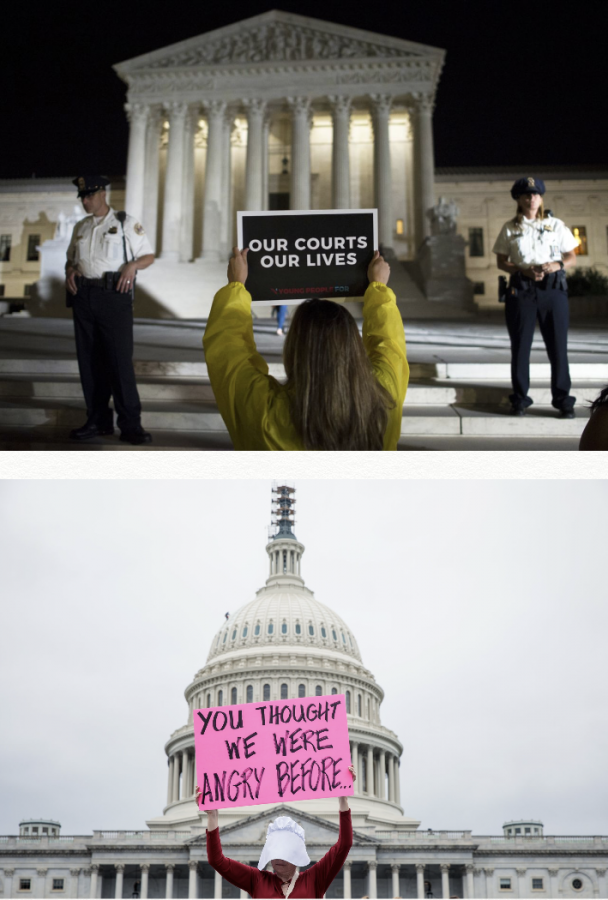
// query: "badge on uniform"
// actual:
[[547, 227], [531, 182], [138, 229], [113, 230]]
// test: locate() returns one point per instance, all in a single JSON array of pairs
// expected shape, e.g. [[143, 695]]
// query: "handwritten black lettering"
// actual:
[[259, 780], [239, 721], [262, 711], [216, 717], [233, 748], [206, 720], [220, 785], [248, 745]]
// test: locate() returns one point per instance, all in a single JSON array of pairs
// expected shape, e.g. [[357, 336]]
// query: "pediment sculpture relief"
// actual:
[[276, 42]]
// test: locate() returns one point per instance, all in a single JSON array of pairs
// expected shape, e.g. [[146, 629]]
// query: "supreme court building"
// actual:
[[279, 112]]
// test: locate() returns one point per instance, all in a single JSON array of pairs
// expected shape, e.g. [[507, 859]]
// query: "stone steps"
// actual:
[[41, 400]]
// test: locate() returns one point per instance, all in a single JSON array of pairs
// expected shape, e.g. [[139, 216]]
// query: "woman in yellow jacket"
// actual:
[[342, 393]]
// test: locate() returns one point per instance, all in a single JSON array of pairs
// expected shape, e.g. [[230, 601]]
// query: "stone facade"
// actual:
[[391, 857]]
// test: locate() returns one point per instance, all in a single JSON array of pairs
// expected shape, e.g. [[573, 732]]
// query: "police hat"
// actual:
[[89, 184], [527, 186]]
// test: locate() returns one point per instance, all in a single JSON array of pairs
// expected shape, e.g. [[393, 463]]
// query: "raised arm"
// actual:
[[383, 334], [236, 873], [238, 373], [343, 801]]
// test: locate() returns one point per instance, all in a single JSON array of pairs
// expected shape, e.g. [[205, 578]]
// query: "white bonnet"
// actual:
[[284, 840]]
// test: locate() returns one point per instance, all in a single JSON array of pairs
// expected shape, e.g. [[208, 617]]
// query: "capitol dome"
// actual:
[[286, 644]]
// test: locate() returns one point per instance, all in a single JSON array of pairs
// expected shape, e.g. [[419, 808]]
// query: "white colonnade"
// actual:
[[178, 227]]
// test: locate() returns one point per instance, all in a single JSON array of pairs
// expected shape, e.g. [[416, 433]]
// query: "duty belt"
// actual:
[[96, 282]]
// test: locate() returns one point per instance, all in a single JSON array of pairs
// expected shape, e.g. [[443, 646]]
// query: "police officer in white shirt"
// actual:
[[535, 248], [105, 253]]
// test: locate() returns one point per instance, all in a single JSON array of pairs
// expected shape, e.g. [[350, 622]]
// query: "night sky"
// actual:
[[523, 84]]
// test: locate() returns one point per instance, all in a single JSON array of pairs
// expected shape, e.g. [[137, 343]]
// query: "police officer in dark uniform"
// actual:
[[106, 251], [535, 248]]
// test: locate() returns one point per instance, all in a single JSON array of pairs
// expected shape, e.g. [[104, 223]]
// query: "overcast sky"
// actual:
[[480, 607]]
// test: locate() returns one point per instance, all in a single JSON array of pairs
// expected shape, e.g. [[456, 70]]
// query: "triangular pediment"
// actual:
[[277, 37], [252, 829]]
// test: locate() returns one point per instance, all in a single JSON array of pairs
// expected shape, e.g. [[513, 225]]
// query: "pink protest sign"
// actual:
[[270, 752]]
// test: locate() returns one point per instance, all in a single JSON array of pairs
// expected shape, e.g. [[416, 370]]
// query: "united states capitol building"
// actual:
[[287, 644]]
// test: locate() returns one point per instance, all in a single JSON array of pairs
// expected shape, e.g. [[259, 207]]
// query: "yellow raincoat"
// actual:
[[254, 405]]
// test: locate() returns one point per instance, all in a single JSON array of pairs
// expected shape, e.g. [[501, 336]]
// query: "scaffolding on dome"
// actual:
[[282, 510]]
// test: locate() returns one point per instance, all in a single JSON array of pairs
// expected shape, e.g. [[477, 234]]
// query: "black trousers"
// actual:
[[103, 327], [547, 301]]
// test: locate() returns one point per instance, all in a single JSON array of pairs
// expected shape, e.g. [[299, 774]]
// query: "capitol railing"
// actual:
[[423, 835], [141, 835], [45, 840]]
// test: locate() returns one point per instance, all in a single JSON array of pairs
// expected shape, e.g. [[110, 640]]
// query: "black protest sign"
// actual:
[[298, 254]]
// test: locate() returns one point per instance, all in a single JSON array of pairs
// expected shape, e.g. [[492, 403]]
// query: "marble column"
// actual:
[[381, 107], [175, 759], [184, 787], [265, 136], [120, 872], [424, 166], [601, 874], [173, 208], [489, 873], [256, 151], [193, 867], [445, 879], [395, 871], [373, 889], [8, 882], [212, 216], [137, 114], [391, 779], [370, 772], [397, 782], [171, 763], [42, 873], [347, 880], [187, 226], [94, 877], [470, 881], [382, 775], [74, 878], [553, 875], [145, 872], [151, 178], [226, 202], [169, 882], [340, 108], [217, 886], [355, 759], [420, 881], [301, 113]]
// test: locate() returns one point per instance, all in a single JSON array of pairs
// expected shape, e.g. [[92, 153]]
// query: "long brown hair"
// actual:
[[519, 215], [336, 402]]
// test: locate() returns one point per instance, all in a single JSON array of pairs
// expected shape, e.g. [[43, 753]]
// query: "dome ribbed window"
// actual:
[[220, 698], [266, 692], [301, 690], [318, 691], [298, 628], [233, 696], [284, 628], [284, 692], [249, 693]]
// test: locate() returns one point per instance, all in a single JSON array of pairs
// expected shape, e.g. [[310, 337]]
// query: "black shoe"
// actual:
[[567, 413], [517, 411], [137, 436], [90, 430]]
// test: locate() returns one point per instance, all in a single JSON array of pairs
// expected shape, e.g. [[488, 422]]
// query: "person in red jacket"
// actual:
[[286, 850]]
